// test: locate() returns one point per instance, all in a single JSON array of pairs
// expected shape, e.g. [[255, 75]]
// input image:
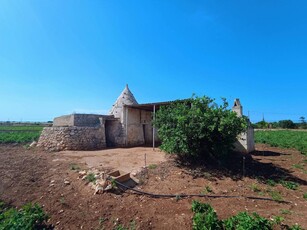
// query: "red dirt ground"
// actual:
[[26, 175]]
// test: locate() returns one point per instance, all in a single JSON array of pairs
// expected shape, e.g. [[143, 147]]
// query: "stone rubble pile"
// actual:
[[97, 180]]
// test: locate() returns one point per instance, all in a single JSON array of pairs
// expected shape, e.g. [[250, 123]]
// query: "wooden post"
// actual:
[[153, 127]]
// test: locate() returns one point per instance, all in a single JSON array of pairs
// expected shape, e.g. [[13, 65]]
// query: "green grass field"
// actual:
[[21, 128], [283, 139], [19, 134]]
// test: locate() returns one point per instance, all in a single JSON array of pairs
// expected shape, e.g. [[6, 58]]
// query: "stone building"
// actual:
[[128, 124]]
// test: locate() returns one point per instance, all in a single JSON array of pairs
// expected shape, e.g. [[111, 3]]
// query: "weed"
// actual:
[[120, 227], [74, 166], [278, 219], [132, 226], [285, 211], [152, 166], [207, 189], [30, 216], [113, 183], [276, 196], [207, 175], [26, 146], [255, 188], [90, 177], [298, 166], [289, 184], [178, 197], [63, 201], [261, 193], [296, 227], [245, 221], [271, 182], [102, 220], [305, 195], [205, 217]]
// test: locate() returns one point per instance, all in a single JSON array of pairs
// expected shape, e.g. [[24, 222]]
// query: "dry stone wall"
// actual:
[[72, 138]]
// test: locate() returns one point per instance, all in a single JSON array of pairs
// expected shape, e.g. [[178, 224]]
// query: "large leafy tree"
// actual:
[[198, 128]]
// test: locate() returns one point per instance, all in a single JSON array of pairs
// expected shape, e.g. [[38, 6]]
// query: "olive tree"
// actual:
[[198, 128]]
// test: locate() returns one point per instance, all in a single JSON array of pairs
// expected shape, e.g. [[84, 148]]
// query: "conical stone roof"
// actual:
[[125, 98]]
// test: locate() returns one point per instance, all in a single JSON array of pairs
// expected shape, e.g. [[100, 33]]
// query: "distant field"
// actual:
[[283, 139], [22, 128], [19, 134]]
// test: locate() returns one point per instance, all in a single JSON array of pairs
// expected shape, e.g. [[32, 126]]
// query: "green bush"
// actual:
[[28, 217], [198, 128]]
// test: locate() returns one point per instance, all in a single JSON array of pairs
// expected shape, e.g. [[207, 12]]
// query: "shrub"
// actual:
[[198, 128], [28, 217]]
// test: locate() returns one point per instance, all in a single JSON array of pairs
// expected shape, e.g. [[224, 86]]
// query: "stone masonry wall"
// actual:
[[72, 138], [66, 120]]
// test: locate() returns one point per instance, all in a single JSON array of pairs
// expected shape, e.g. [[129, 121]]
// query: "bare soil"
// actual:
[[32, 175]]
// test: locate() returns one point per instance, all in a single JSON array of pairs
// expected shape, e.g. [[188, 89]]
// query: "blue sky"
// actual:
[[58, 57]]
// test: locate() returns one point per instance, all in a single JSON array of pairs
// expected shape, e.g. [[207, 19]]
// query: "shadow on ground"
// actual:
[[242, 165]]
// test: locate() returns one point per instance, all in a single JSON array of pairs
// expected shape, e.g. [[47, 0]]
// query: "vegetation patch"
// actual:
[[255, 188], [271, 182], [90, 177], [289, 184], [283, 139], [152, 166], [74, 166], [205, 217], [30, 216], [276, 196], [19, 134]]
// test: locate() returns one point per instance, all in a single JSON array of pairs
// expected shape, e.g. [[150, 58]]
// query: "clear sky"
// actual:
[[58, 57]]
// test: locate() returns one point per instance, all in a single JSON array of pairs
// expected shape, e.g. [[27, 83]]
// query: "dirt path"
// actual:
[[126, 159], [36, 176]]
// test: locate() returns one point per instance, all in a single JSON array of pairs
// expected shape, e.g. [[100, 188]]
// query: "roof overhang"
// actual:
[[152, 106]]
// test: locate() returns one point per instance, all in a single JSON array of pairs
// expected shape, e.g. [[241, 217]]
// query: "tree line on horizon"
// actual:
[[282, 124]]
